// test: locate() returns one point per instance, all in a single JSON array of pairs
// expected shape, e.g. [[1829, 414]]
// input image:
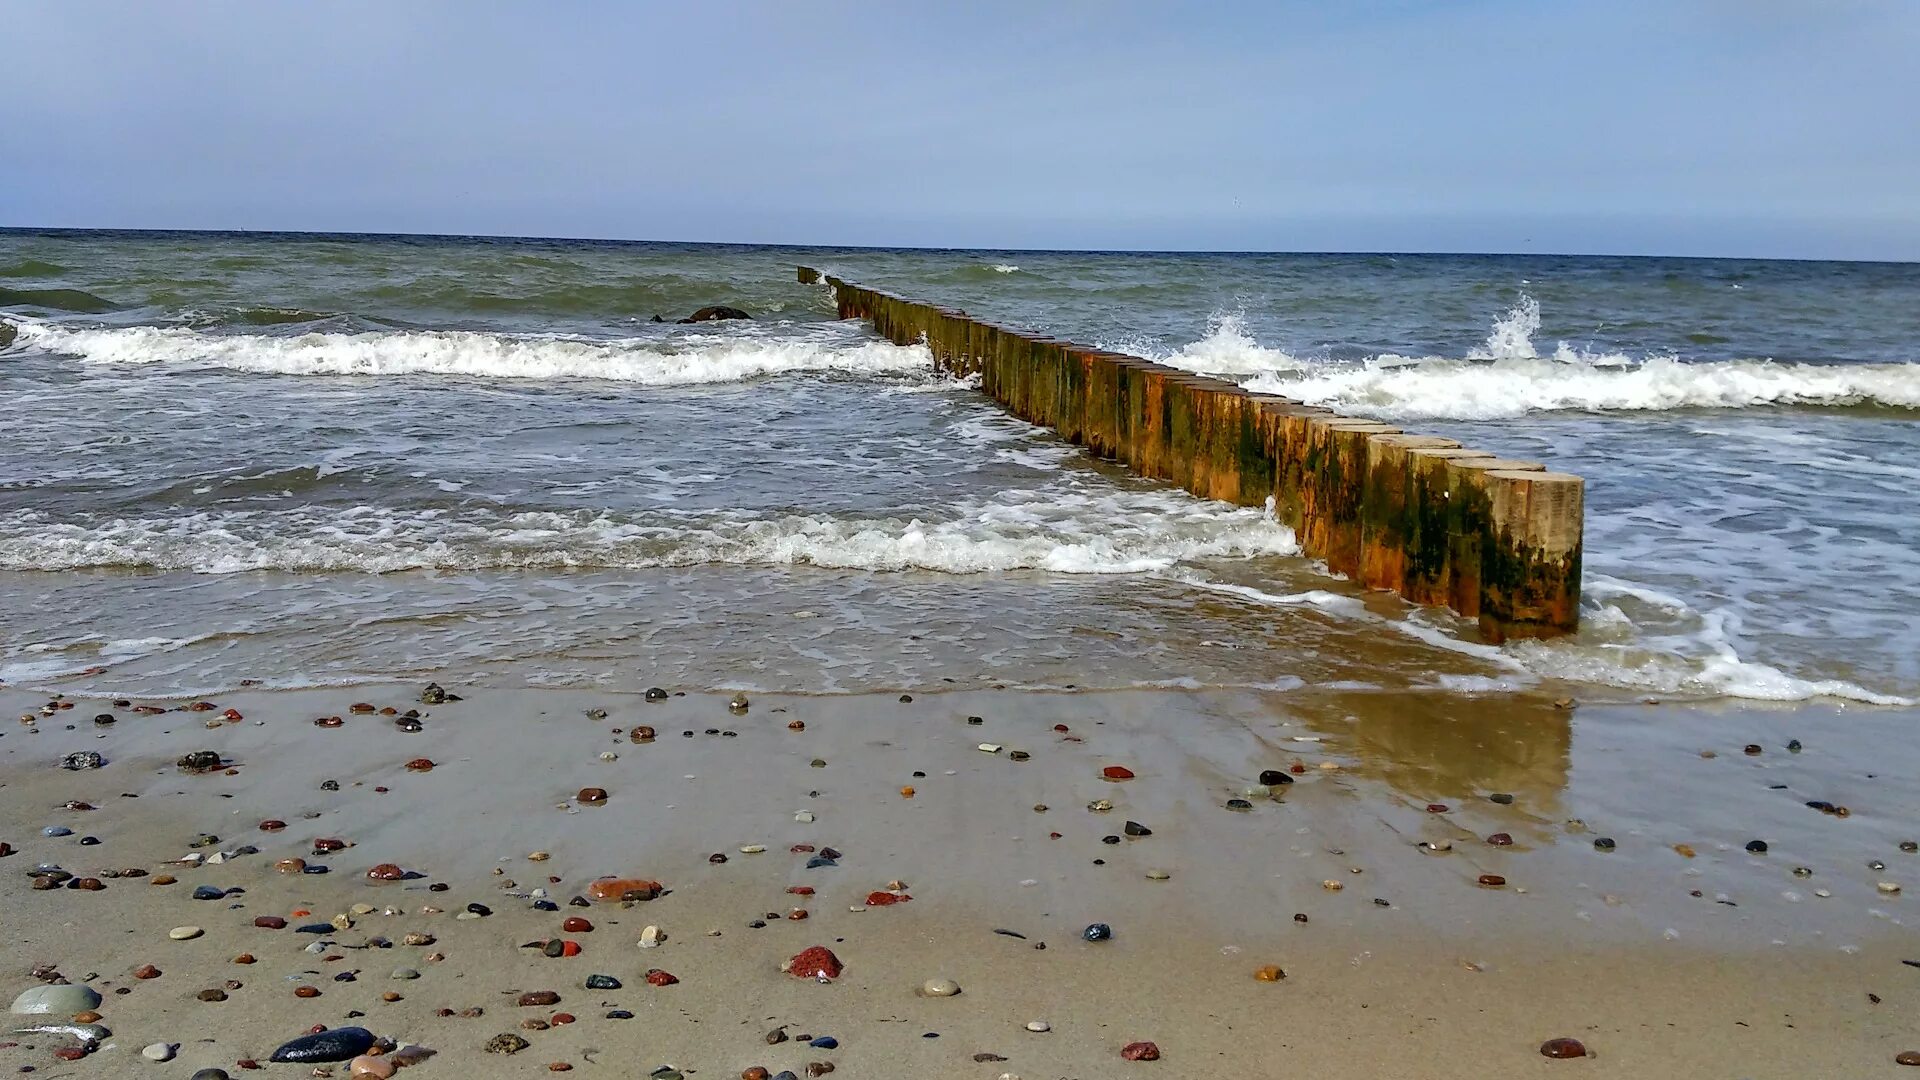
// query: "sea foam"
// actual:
[[685, 360]]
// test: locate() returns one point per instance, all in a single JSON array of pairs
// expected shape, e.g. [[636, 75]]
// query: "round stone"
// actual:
[[1158, 875], [157, 1052], [63, 999], [210, 1074], [939, 988], [1907, 1057], [1039, 1026], [1563, 1048], [1097, 932], [185, 933], [1603, 843], [1756, 847]]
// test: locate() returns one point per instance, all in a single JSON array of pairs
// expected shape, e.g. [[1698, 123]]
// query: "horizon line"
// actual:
[[529, 238]]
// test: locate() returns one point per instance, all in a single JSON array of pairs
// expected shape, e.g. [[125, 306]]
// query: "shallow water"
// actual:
[[333, 459]]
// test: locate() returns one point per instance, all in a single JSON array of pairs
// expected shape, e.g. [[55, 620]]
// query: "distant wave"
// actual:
[[1005, 268], [32, 268], [1506, 377], [55, 300], [696, 358], [1505, 388], [1062, 532]]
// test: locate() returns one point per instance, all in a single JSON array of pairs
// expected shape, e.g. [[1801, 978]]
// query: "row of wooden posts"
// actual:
[[1494, 539]]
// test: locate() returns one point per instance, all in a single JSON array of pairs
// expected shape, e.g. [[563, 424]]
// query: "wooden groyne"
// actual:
[[1492, 538]]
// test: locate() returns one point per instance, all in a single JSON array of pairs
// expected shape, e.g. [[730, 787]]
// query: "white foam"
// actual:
[[1065, 532], [689, 359], [1005, 268], [1513, 387], [1227, 349]]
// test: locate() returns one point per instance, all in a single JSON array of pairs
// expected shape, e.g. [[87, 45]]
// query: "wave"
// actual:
[[56, 300], [1506, 377], [1483, 390], [1058, 531], [32, 268], [686, 359]]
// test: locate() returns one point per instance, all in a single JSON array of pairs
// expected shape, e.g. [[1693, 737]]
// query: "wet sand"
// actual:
[[1411, 969]]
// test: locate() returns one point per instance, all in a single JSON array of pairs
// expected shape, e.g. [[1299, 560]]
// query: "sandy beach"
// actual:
[[1720, 963]]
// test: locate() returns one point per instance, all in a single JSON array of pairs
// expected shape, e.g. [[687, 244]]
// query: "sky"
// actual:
[[1684, 127]]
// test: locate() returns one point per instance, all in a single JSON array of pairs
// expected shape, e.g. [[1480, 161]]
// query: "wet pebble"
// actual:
[[939, 988], [158, 1052], [1603, 843], [1097, 932]]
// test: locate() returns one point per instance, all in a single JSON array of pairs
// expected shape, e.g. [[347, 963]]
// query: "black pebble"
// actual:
[[1134, 828], [1756, 847], [1274, 778], [1604, 843], [480, 909], [1109, 839], [1097, 932], [1502, 798]]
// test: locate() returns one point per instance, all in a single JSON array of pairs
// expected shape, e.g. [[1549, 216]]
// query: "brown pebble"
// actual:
[[306, 991], [390, 996], [1907, 1057], [534, 1024], [70, 1053], [1492, 881], [539, 997], [87, 1017], [560, 1019], [1500, 839], [1562, 1048], [164, 879], [420, 764], [244, 958], [559, 1066], [1140, 1051], [291, 866], [386, 871], [272, 825], [270, 922], [592, 796], [212, 994], [146, 971], [755, 1072]]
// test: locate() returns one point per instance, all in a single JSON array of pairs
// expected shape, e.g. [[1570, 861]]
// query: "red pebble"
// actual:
[[1436, 808], [270, 922], [70, 1053], [882, 899], [1117, 772], [569, 948], [797, 915], [272, 825], [800, 890], [327, 843], [813, 962], [1061, 728], [386, 871], [561, 1018], [146, 971], [577, 925], [624, 889], [1500, 839], [420, 764], [1140, 1051], [1562, 1048], [247, 1063], [801, 849], [1296, 768], [1492, 881], [233, 714], [656, 977]]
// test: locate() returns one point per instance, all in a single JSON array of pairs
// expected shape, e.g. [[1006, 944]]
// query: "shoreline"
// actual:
[[1447, 978]]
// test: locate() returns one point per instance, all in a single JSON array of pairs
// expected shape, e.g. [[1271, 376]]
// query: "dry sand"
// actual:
[[1757, 976]]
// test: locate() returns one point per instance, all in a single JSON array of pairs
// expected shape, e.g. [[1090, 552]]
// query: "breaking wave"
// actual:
[[1059, 531], [1506, 377], [686, 360]]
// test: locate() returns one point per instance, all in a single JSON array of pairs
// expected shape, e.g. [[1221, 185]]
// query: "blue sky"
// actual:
[[1716, 127]]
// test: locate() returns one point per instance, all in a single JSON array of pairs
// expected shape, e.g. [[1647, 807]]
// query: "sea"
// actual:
[[295, 460]]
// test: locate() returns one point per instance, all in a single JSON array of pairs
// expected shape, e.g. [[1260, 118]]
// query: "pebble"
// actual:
[[1563, 1048], [651, 937], [1603, 843], [1241, 805], [1907, 1057], [506, 1043], [158, 1051], [1158, 875], [335, 1044], [1889, 888], [939, 988], [1140, 1051], [1039, 1027], [62, 999], [1097, 932], [185, 933], [602, 982], [378, 1068], [1756, 847], [210, 1074]]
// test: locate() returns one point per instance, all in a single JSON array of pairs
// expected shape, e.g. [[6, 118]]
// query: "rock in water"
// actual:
[[339, 1044], [7, 333], [83, 759], [716, 313], [63, 999], [433, 695]]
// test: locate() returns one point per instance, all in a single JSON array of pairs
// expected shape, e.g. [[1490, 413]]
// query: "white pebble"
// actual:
[[803, 816], [989, 748], [1039, 1026], [939, 988], [158, 1052], [185, 933], [753, 849], [651, 937]]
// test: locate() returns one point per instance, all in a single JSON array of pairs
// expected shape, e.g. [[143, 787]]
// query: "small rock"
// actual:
[[1563, 1048], [335, 1044], [157, 1051], [506, 1043], [1907, 1057], [185, 933], [939, 988], [602, 982], [1097, 932], [1140, 1051], [1039, 1026]]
